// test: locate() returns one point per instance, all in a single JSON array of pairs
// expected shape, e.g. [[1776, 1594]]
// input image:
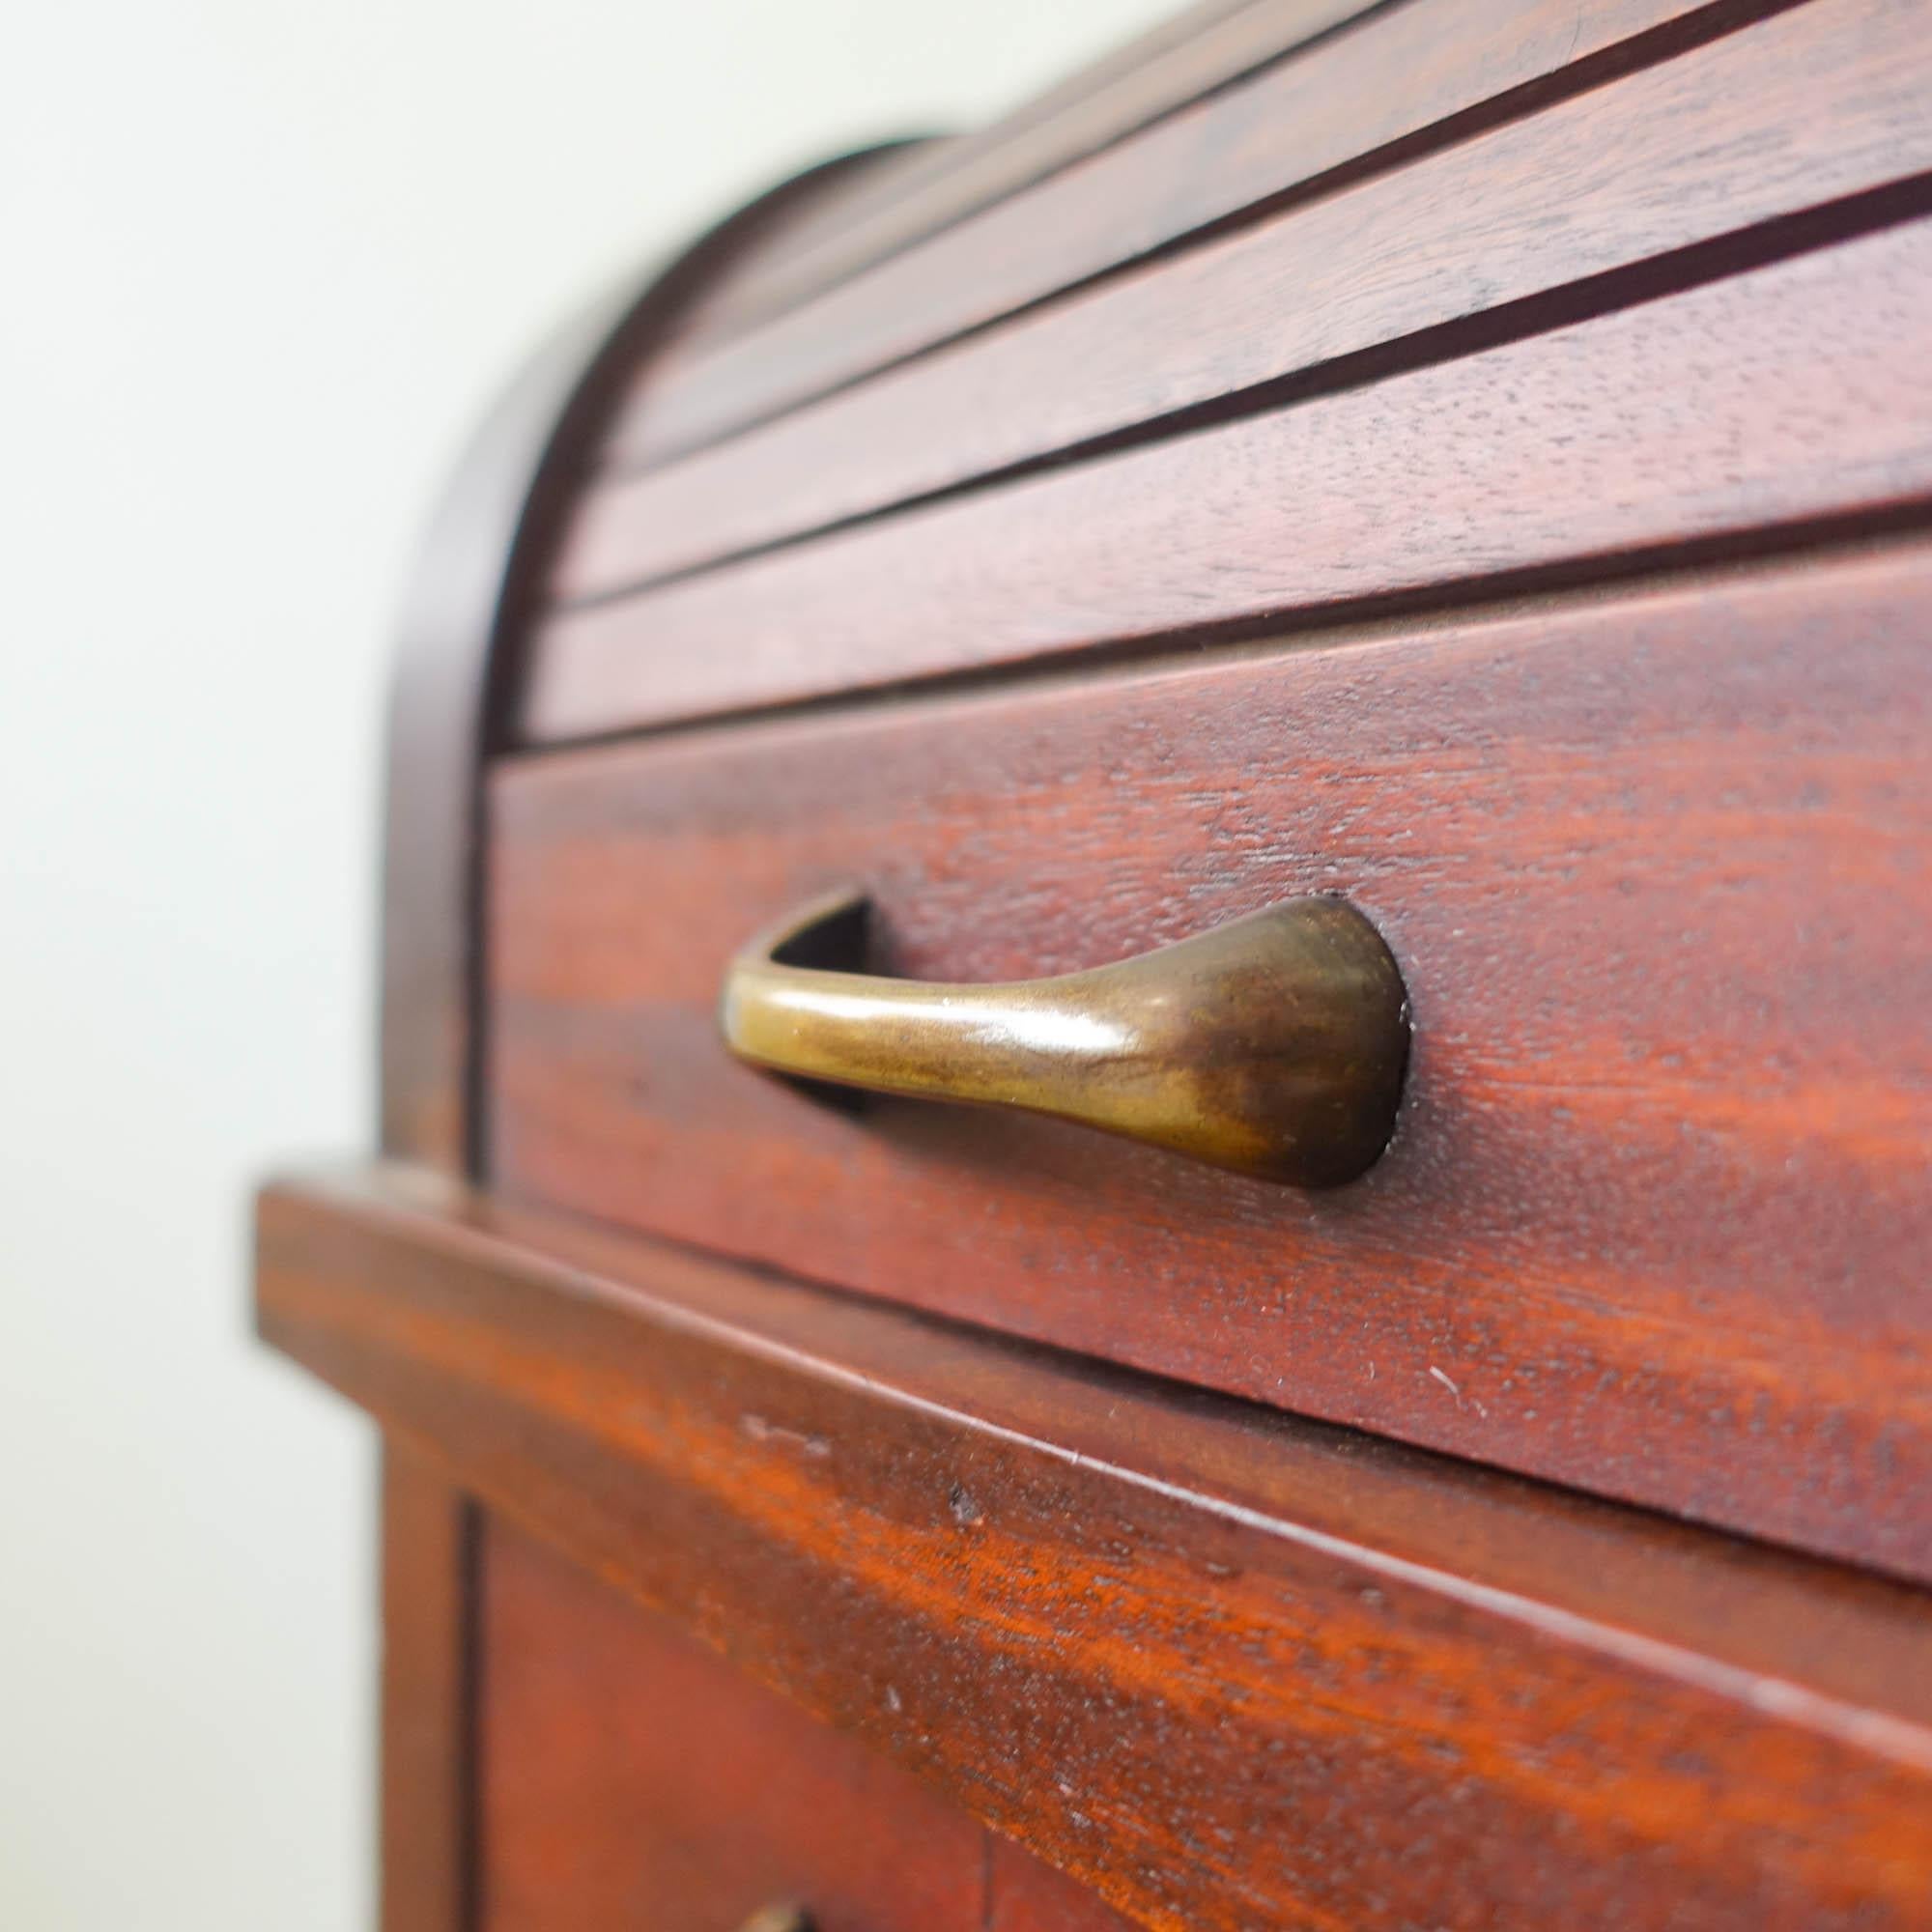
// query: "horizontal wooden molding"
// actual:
[[1224, 1666]]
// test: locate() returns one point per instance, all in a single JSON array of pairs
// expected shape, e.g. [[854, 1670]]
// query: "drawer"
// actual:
[[1656, 1214], [629, 1777]]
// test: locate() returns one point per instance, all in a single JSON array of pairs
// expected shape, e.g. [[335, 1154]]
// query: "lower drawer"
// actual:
[[1659, 880], [630, 1778]]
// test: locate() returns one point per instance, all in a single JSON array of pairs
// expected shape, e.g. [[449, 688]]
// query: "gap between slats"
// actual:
[[926, 190], [1900, 530], [1306, 125], [1789, 396], [1833, 105]]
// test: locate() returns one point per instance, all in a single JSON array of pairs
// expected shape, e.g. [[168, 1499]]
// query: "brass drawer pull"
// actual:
[[778, 1919], [1273, 1045]]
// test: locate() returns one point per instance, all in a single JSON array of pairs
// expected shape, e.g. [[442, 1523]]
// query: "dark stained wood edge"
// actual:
[[445, 671], [471, 602], [932, 185], [428, 1828], [468, 610], [1259, 1654]]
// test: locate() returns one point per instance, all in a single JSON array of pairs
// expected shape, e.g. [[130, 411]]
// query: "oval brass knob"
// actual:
[[1273, 1045]]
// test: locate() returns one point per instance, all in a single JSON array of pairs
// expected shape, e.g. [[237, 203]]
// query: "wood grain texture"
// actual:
[[440, 697], [1808, 107], [1373, 93], [632, 1778], [1226, 1668], [1658, 876], [472, 595], [1797, 394], [919, 192], [1024, 1895]]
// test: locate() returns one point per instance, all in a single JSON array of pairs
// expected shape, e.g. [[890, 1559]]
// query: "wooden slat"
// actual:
[[892, 168], [1230, 1669], [1406, 75], [825, 230], [1658, 875], [1798, 393], [1830, 101], [1201, 50], [929, 185]]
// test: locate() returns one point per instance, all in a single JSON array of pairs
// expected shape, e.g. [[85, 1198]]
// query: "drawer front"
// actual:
[[630, 1778], [1656, 873]]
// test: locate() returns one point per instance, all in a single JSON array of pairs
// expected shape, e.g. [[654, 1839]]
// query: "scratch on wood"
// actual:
[[1454, 1390], [760, 1430]]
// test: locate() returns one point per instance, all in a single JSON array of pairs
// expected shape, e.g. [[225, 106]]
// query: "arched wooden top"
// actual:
[[462, 625], [592, 384]]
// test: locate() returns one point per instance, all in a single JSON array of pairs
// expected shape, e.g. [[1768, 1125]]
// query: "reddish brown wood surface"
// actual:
[[440, 697], [920, 191], [474, 589], [470, 596], [1404, 78], [1228, 1668], [632, 1778], [1797, 394], [1829, 102], [1659, 878], [1024, 1895], [428, 1552], [1231, 1669]]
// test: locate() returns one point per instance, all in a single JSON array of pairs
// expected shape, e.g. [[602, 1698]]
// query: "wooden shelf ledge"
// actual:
[[1226, 1667]]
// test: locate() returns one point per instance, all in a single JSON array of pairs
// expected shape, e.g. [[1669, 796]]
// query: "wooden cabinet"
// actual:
[[1471, 463]]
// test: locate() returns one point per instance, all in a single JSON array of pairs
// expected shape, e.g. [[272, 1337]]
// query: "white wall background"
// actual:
[[260, 264]]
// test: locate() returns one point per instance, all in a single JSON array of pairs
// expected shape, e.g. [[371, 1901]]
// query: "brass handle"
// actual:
[[778, 1919], [1273, 1045]]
